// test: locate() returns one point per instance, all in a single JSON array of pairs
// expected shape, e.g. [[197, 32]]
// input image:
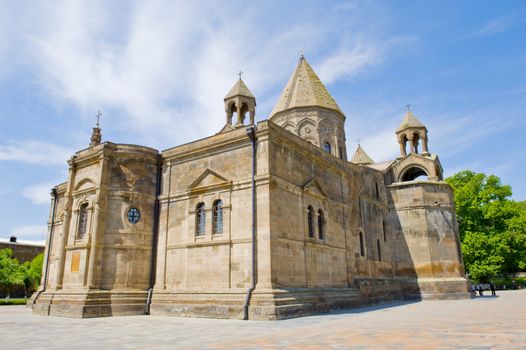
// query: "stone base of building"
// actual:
[[265, 304], [444, 288], [92, 303]]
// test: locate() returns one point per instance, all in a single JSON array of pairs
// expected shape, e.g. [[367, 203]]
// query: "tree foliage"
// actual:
[[492, 227], [12, 273]]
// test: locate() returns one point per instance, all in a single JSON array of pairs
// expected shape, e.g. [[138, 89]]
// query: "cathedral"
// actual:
[[260, 221]]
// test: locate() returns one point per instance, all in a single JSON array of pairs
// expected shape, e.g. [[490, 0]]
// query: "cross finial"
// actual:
[[301, 54], [239, 74], [358, 140], [408, 106], [99, 114]]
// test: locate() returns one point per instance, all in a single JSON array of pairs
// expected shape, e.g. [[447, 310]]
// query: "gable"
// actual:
[[209, 180], [314, 188]]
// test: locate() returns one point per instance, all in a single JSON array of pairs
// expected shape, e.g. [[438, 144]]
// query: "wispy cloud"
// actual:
[[498, 25], [30, 232], [38, 194], [353, 58], [34, 152]]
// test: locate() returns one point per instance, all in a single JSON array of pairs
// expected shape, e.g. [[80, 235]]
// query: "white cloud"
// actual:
[[164, 67], [34, 152], [30, 232], [38, 194]]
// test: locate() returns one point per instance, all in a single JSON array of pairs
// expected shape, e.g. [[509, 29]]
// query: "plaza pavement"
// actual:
[[481, 323]]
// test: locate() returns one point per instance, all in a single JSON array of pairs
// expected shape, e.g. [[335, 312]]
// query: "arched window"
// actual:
[[383, 230], [200, 219], [376, 190], [327, 147], [340, 152], [379, 251], [321, 225], [217, 217], [83, 221], [310, 219], [362, 246]]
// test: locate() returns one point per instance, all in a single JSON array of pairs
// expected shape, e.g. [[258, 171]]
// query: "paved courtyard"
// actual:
[[481, 323]]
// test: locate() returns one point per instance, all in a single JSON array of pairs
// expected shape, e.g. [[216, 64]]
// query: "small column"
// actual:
[[92, 281], [252, 115], [66, 224], [424, 145], [239, 116], [228, 118], [411, 144], [403, 151]]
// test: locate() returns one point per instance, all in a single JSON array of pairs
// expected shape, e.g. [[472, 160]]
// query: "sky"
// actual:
[[158, 72]]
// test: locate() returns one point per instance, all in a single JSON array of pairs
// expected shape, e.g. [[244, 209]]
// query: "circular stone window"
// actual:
[[133, 215]]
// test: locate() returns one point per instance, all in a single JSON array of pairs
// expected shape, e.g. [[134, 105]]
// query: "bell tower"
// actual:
[[412, 131], [238, 102]]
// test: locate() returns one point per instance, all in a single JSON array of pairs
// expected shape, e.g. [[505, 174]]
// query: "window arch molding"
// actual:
[[200, 219], [362, 244], [83, 211], [321, 224], [310, 221], [217, 217]]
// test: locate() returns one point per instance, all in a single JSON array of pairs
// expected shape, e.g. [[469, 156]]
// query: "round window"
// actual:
[[133, 215]]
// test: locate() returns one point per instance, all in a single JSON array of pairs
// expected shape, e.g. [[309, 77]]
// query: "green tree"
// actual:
[[34, 272], [492, 227], [11, 272]]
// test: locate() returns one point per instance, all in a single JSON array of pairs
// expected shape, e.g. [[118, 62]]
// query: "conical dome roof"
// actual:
[[360, 157], [239, 89], [304, 89], [410, 121]]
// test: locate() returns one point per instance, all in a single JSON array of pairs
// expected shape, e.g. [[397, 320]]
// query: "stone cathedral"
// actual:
[[259, 221]]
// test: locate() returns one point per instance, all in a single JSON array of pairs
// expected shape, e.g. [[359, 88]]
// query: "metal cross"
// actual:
[[239, 74], [99, 114], [408, 106], [358, 140]]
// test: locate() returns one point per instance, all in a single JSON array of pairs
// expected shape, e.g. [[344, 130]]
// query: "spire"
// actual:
[[304, 89], [360, 157], [410, 121], [239, 89], [96, 135], [239, 101]]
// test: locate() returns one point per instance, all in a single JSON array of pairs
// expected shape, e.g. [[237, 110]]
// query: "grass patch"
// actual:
[[13, 301]]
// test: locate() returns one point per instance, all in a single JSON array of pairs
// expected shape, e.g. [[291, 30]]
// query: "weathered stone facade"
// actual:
[[134, 230]]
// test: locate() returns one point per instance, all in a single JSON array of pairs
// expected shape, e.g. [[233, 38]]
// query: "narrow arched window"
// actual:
[[327, 147], [83, 221], [200, 219], [383, 230], [310, 220], [362, 246], [376, 191], [379, 250], [321, 225], [217, 217], [340, 152]]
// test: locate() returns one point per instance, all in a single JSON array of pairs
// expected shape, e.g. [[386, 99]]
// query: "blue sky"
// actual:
[[158, 71]]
